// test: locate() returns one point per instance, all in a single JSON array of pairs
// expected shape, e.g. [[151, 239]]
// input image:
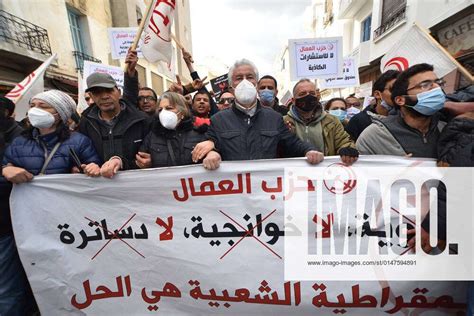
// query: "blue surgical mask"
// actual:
[[340, 114], [430, 102], [267, 96], [385, 105]]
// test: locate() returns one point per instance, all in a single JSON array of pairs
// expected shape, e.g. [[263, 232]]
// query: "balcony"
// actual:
[[397, 17], [349, 8], [24, 34], [81, 57]]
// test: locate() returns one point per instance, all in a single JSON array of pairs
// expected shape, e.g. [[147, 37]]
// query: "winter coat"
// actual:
[[456, 142]]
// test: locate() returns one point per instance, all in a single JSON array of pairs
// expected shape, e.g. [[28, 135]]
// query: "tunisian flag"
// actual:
[[157, 32], [22, 93], [416, 47]]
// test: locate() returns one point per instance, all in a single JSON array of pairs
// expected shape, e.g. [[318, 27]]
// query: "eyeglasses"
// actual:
[[148, 99], [226, 100], [428, 84]]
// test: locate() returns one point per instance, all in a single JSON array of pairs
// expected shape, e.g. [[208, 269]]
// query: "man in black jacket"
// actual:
[[15, 296], [116, 128], [249, 131]]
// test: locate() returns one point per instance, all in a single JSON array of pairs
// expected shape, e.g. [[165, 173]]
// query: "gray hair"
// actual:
[[299, 82], [238, 63], [178, 101]]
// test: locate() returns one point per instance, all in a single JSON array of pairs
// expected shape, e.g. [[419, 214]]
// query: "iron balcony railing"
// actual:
[[24, 34], [398, 16], [81, 57]]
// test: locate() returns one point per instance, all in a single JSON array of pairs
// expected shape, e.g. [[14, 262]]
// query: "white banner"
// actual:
[[91, 67], [157, 32], [417, 47], [314, 58], [121, 38], [22, 93], [349, 78], [186, 241]]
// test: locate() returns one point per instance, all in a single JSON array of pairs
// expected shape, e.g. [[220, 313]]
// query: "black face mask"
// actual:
[[307, 103]]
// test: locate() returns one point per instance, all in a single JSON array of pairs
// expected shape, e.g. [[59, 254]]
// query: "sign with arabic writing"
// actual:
[[314, 58], [121, 38], [349, 78], [91, 67], [185, 241]]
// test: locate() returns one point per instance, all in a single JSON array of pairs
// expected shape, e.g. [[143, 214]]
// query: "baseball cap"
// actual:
[[102, 80]]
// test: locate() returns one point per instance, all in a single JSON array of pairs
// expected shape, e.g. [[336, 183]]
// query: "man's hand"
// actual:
[[177, 86], [188, 59], [91, 170], [131, 60], [110, 168], [212, 161], [425, 240], [314, 157], [290, 126], [202, 149], [16, 175], [143, 160], [198, 84], [348, 155]]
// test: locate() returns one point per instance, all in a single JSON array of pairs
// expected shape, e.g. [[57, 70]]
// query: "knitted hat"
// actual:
[[60, 101]]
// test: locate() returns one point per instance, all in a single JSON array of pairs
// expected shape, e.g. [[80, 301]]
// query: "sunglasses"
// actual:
[[226, 100]]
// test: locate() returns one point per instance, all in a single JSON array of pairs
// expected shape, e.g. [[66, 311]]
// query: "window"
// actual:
[[391, 8], [141, 75], [157, 83], [365, 29], [76, 31]]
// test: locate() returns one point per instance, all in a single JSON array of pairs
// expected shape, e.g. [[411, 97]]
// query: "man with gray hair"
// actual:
[[247, 130]]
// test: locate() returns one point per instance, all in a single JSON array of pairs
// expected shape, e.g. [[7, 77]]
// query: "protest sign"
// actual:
[[219, 84], [121, 39], [115, 72], [185, 241], [314, 58], [349, 78]]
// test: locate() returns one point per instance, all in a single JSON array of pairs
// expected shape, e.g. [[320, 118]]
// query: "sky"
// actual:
[[224, 31]]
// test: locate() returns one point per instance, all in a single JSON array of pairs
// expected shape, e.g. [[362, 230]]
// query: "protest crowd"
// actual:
[[410, 116]]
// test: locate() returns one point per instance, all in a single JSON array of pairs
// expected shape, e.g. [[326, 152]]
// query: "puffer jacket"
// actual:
[[456, 142], [182, 142], [31, 153], [334, 135]]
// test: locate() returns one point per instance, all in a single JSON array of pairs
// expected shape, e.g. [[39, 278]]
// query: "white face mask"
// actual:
[[168, 119], [245, 93], [40, 118]]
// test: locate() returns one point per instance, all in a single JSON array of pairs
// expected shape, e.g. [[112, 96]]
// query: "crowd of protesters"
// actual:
[[411, 116]]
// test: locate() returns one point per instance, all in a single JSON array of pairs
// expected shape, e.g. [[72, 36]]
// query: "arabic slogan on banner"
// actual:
[[185, 241]]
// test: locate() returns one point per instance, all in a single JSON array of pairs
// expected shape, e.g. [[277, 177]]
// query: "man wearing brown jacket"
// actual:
[[310, 123]]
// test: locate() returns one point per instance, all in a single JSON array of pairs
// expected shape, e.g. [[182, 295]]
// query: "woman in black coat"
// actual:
[[173, 135]]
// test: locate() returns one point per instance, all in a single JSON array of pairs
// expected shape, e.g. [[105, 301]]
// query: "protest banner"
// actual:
[[186, 241], [115, 72], [22, 93], [157, 32], [219, 84], [314, 58], [418, 46], [121, 39], [349, 78]]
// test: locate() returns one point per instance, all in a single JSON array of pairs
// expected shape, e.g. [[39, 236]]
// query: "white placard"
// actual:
[[314, 58], [115, 72], [121, 38], [349, 78]]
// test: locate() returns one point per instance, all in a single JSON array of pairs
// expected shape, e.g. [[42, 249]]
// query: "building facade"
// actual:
[[77, 30]]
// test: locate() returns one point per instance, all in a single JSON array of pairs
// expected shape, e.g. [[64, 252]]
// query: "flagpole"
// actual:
[[458, 65], [176, 41], [145, 18]]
